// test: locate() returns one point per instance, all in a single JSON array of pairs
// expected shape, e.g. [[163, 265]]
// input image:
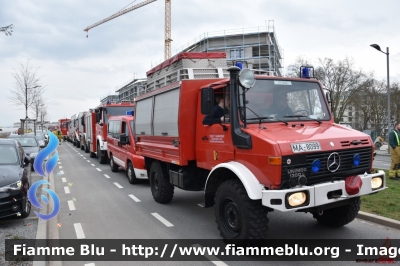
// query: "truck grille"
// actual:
[[302, 163]]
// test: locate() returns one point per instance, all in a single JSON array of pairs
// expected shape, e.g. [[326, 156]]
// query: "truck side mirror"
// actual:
[[207, 101], [328, 96], [123, 139], [98, 117]]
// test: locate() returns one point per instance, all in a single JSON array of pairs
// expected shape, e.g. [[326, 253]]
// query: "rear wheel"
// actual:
[[161, 189], [238, 216], [100, 157], [339, 216], [113, 166], [78, 144], [130, 173], [74, 142], [82, 147]]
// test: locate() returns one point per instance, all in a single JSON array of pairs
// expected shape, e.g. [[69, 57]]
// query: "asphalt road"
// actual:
[[99, 204], [381, 162]]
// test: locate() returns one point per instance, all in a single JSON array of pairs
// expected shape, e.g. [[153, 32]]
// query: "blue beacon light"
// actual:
[[315, 166]]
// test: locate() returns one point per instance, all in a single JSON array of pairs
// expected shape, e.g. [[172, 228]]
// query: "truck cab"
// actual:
[[102, 115], [121, 148]]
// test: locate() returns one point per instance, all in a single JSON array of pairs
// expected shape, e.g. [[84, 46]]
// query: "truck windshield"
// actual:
[[273, 100], [116, 110]]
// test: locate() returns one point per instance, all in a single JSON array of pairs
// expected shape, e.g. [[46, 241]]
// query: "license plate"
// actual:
[[305, 147]]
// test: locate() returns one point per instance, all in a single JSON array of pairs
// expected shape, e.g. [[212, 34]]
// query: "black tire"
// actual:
[[161, 188], [74, 142], [87, 147], [78, 144], [238, 216], [377, 146], [82, 147], [114, 167], [339, 216], [100, 157], [130, 174], [27, 210], [92, 155]]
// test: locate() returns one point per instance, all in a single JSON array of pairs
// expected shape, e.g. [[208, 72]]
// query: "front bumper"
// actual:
[[12, 202], [318, 194]]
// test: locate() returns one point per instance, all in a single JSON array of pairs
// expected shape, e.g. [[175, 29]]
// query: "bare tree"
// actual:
[[26, 87], [7, 29], [293, 70], [343, 81]]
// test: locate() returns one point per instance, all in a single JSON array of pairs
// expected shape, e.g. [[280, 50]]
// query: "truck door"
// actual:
[[125, 149], [216, 145]]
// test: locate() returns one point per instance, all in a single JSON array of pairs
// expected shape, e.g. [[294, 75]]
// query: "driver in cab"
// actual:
[[221, 111]]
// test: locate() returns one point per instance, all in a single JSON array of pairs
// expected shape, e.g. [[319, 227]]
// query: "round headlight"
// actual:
[[315, 166], [247, 78], [376, 182], [356, 159], [297, 199]]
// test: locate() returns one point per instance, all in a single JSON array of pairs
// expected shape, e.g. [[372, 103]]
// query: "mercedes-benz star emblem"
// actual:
[[333, 162]]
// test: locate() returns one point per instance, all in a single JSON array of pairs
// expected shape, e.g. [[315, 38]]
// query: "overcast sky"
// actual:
[[77, 71]]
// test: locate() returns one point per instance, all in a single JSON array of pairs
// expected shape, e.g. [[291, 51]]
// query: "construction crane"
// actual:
[[167, 40]]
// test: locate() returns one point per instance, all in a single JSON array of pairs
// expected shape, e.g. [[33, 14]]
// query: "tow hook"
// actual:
[[320, 212]]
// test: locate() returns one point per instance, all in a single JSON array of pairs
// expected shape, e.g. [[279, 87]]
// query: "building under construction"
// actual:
[[257, 48]]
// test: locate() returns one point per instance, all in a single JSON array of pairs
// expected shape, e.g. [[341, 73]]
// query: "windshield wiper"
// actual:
[[298, 116]]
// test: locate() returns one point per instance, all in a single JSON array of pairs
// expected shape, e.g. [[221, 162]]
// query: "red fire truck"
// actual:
[[99, 120], [263, 153], [63, 126]]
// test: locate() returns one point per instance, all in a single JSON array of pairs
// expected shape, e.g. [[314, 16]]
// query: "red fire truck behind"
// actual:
[[63, 126], [97, 144], [274, 146]]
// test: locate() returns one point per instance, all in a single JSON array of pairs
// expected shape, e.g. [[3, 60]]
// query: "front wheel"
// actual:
[[238, 216], [161, 188], [339, 216], [27, 210], [131, 174]]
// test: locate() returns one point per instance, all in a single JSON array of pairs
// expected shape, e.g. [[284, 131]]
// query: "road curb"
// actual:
[[41, 232], [379, 219]]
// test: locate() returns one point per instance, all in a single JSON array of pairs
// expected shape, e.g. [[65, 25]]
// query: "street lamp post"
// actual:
[[388, 86]]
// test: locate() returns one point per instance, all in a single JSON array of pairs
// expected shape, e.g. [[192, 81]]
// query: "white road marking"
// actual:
[[84, 158], [81, 154], [134, 198], [71, 205], [66, 189], [118, 185], [60, 166], [212, 258], [93, 165], [88, 161], [89, 264], [98, 169], [79, 231], [61, 172], [162, 219], [106, 176], [64, 179]]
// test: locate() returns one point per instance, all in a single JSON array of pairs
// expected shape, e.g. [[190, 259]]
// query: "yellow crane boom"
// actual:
[[167, 46]]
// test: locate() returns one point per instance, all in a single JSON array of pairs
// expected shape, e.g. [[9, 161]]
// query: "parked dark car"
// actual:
[[15, 177], [40, 137], [29, 144]]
